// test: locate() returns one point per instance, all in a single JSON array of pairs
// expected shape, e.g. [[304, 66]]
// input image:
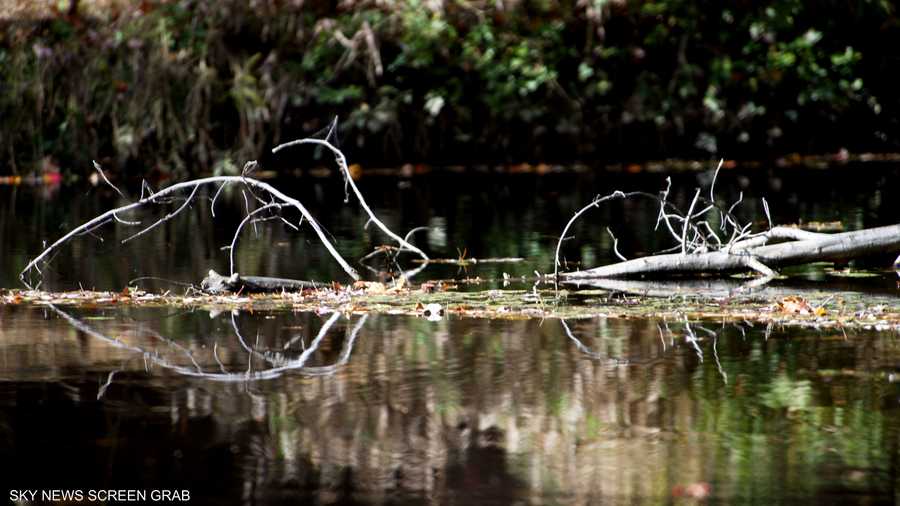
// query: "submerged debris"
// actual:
[[844, 310], [795, 304]]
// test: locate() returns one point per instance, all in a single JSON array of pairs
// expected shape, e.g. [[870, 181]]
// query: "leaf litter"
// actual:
[[435, 300]]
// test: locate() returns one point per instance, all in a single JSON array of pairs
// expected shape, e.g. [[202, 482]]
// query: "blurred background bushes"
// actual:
[[189, 86]]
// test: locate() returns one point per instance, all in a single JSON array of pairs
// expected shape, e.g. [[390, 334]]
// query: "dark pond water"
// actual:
[[478, 213], [401, 410], [384, 409]]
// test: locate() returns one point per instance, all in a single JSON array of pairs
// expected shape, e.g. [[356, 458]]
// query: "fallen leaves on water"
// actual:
[[850, 311], [377, 288], [370, 286], [437, 286], [871, 313], [795, 304], [463, 260]]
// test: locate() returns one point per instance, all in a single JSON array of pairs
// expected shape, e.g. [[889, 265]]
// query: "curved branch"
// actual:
[[237, 231], [194, 184], [342, 163]]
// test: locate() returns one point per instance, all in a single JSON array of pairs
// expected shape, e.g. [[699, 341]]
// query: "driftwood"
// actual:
[[762, 258], [269, 200], [216, 283], [712, 240]]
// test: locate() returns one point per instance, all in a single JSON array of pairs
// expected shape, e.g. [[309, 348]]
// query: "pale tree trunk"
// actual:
[[754, 254]]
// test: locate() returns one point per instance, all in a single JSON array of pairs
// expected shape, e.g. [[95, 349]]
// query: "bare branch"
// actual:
[[145, 186], [821, 247], [594, 203], [712, 187], [687, 223], [108, 216], [212, 205], [776, 233], [164, 218], [237, 231], [615, 245], [103, 175], [342, 164], [759, 267]]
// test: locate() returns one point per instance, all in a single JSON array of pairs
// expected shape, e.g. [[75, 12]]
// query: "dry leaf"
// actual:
[[370, 286], [794, 304]]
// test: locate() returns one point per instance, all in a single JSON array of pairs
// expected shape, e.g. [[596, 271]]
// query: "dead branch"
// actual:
[[174, 190], [276, 202], [348, 180], [237, 231], [828, 247], [734, 247], [730, 291]]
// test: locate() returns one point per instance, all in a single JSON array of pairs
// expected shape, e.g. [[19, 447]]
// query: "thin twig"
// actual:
[[164, 218], [616, 245], [712, 187], [237, 231], [194, 184], [103, 175], [687, 223], [342, 164], [594, 203], [212, 205]]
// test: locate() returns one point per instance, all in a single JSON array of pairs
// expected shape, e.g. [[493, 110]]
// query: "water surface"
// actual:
[[384, 409], [460, 411], [474, 214]]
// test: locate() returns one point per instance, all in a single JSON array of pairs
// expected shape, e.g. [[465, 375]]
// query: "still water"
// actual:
[[478, 214], [459, 411], [385, 409]]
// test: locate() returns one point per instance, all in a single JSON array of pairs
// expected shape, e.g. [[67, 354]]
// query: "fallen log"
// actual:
[[712, 240], [763, 258], [216, 283]]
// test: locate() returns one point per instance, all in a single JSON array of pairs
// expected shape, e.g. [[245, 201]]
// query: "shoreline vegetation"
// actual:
[[186, 87]]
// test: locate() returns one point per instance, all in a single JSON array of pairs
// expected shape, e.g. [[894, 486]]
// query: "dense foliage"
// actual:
[[194, 84]]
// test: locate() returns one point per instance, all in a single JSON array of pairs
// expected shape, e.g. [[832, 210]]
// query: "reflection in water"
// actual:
[[483, 214], [458, 411], [275, 363]]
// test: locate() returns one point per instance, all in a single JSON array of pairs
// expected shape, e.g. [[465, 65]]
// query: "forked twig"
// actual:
[[279, 200], [348, 180], [193, 185]]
